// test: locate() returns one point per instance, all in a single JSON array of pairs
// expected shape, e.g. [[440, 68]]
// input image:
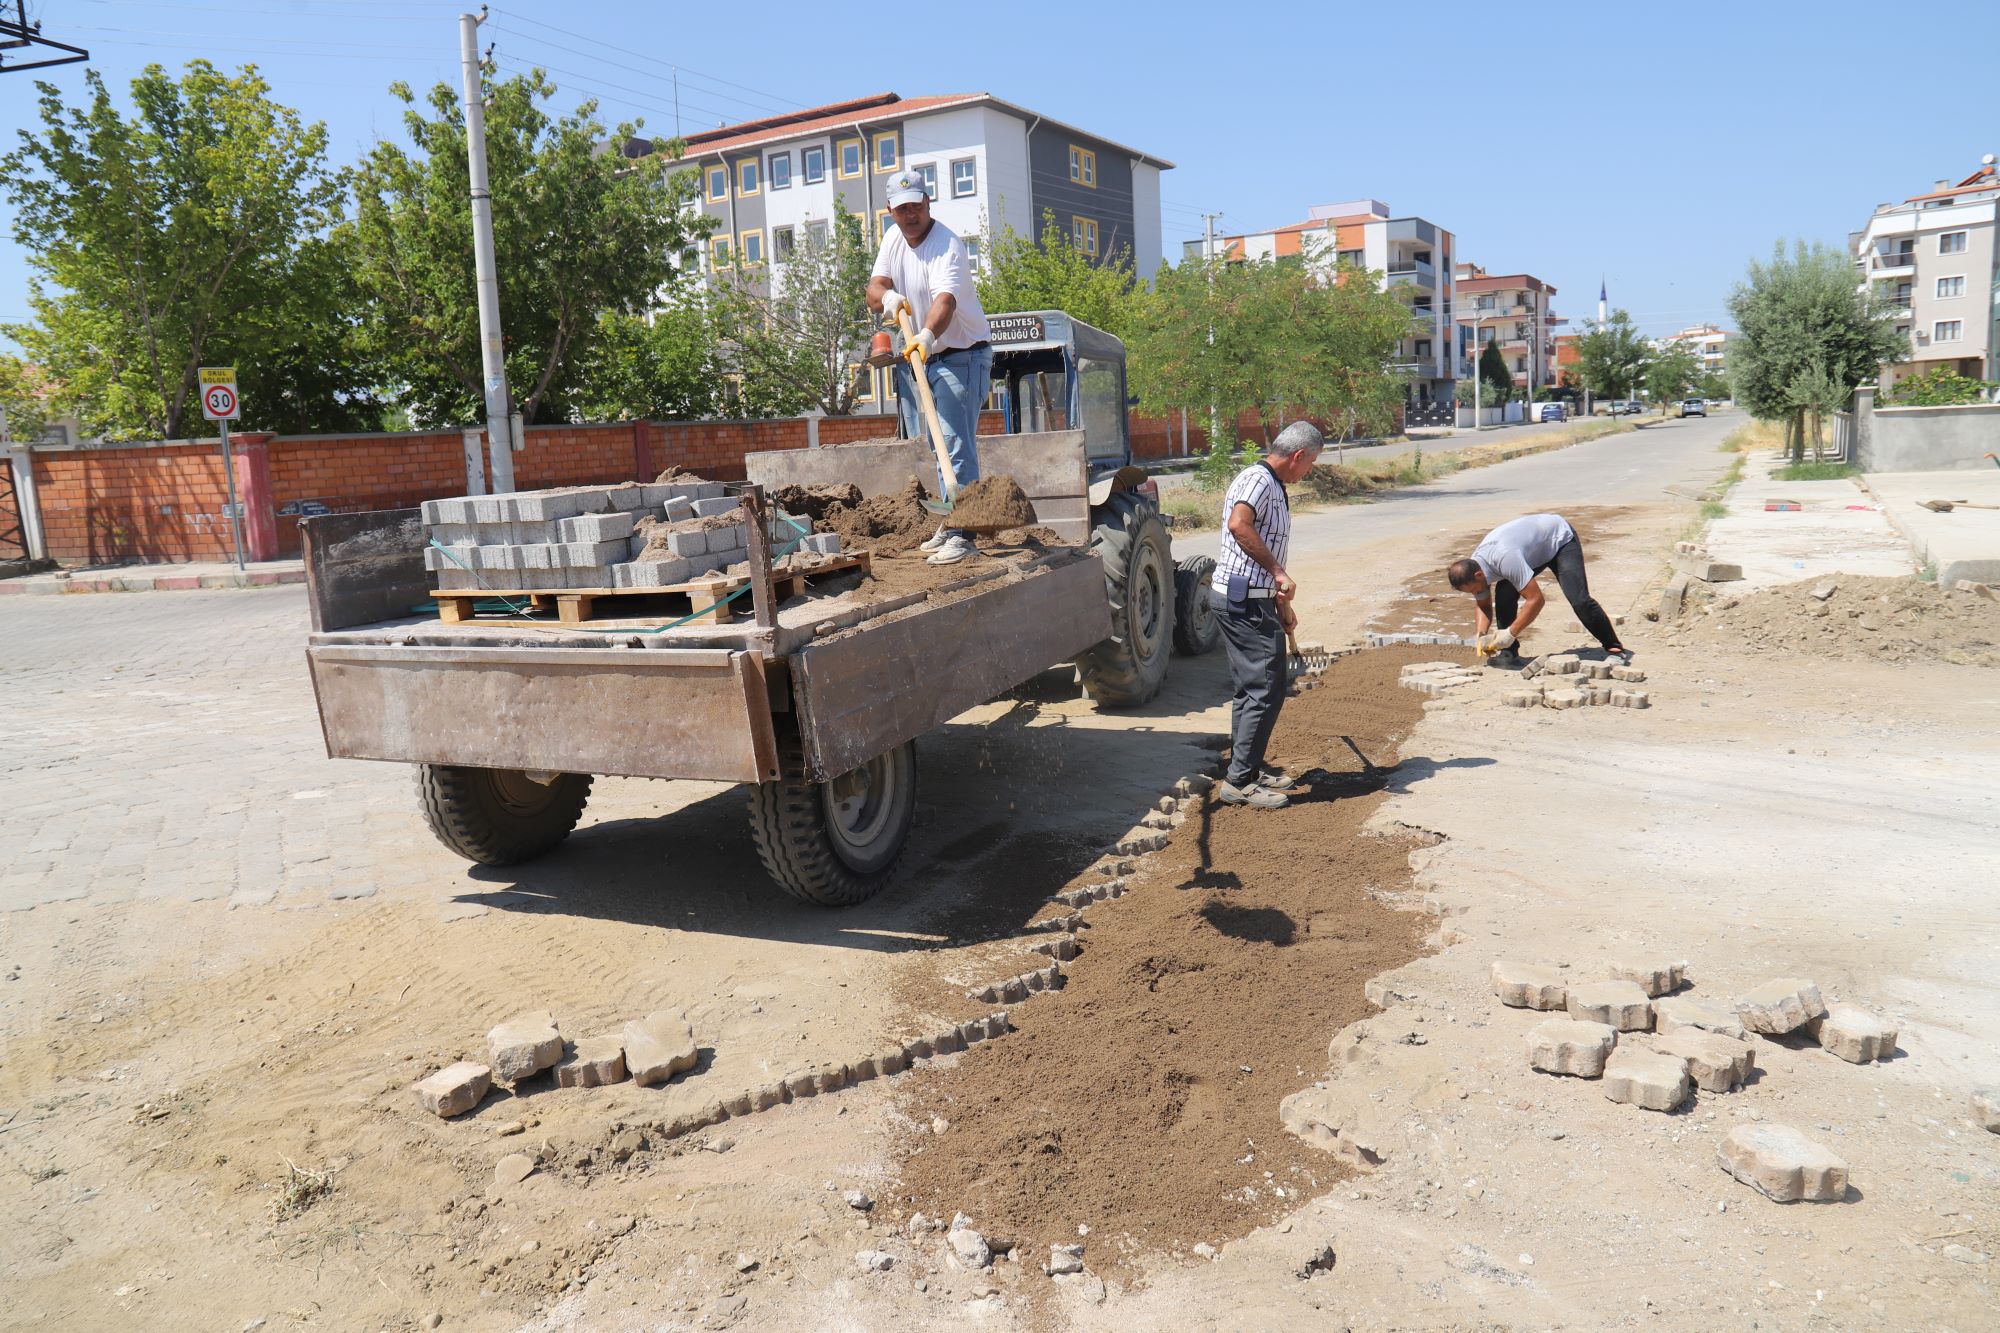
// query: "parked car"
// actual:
[[1625, 407], [1694, 407], [1551, 412]]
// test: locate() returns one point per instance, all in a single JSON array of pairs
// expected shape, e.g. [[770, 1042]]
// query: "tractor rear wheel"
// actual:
[[500, 816], [1129, 668]]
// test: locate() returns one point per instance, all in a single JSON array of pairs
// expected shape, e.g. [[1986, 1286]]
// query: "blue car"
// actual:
[[1551, 412]]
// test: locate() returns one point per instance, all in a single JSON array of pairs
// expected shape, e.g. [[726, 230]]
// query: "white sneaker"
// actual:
[[936, 539], [955, 549]]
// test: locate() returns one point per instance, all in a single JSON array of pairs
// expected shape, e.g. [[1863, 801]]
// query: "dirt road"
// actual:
[[229, 957]]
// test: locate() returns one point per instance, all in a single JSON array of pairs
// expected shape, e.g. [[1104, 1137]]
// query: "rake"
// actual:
[[1312, 657]]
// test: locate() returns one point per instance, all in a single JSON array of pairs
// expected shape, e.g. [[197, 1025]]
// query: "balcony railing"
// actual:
[[1893, 259], [1412, 266]]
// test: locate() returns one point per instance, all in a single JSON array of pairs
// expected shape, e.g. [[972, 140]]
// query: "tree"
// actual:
[[1496, 385], [663, 364], [24, 396], [1940, 387], [576, 232], [796, 331], [186, 235], [1053, 274], [1611, 357], [1671, 373], [1799, 316], [1814, 392]]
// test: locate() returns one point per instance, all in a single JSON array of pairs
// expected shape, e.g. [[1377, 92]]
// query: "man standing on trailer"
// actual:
[[1256, 596], [923, 266]]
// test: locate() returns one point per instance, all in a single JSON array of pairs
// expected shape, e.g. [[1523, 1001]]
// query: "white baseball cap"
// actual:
[[906, 187]]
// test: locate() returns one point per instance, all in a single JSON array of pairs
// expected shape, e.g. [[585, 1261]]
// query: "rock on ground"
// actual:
[[1650, 1079], [1779, 1162], [1529, 985], [1655, 976], [1853, 1034], [455, 1089], [513, 1168], [1065, 1259], [524, 1045], [970, 1247], [1716, 1063], [1986, 1108], [1621, 1004], [659, 1046], [875, 1261], [1571, 1046], [1777, 1007]]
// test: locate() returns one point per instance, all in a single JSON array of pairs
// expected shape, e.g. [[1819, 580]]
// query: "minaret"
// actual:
[[1600, 300]]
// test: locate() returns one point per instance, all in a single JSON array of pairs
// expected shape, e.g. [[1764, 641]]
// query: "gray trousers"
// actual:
[[1256, 643]]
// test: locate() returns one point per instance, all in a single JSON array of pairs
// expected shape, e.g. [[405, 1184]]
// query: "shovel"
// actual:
[[1946, 506], [947, 478]]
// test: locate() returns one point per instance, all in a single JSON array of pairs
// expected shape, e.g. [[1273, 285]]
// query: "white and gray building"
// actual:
[[1936, 258]]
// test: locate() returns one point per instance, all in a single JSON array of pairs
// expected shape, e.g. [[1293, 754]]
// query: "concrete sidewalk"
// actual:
[[1837, 528], [1963, 544], [157, 578]]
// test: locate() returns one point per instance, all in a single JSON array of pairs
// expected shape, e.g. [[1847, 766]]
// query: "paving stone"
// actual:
[[1716, 1063], [1628, 673], [1529, 985], [1065, 1259], [1779, 1162], [677, 508], [1777, 1007], [455, 1089], [720, 504], [823, 543], [614, 526], [546, 506], [1986, 1108], [1711, 571], [1631, 699], [1654, 1080], [651, 573], [731, 538], [1596, 670], [593, 1062], [588, 555], [1675, 1012], [1562, 664], [688, 542], [1673, 597], [525, 1044], [1562, 698], [1655, 976], [1522, 698], [1621, 1004], [1853, 1034], [1570, 1046], [659, 1046]]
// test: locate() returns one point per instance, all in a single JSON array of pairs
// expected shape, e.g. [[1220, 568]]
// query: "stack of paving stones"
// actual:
[[589, 537], [1564, 680], [1422, 640], [650, 1050], [1695, 1045]]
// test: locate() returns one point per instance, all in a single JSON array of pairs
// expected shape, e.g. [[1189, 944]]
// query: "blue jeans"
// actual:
[[960, 381]]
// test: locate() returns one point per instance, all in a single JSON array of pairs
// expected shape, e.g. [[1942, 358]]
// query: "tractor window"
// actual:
[[1102, 388], [1041, 401]]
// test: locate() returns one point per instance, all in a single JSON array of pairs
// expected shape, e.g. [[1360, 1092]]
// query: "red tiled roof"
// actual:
[[835, 115], [1986, 178]]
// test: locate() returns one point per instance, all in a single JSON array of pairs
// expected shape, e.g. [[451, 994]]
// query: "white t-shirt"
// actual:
[[1513, 551], [940, 264]]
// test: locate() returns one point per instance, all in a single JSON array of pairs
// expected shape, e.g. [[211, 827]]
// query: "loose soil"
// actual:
[[992, 504], [884, 524], [813, 502], [1141, 1100], [1866, 619]]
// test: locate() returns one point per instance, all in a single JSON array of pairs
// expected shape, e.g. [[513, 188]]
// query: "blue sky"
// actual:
[[1659, 147]]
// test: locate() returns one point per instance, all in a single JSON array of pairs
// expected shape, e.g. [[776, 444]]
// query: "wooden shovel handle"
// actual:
[[946, 476]]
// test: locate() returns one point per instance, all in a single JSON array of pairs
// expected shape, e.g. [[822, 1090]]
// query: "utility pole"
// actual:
[[492, 350], [1208, 262]]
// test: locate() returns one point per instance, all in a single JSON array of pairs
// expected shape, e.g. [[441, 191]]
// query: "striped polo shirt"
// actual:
[[1258, 487]]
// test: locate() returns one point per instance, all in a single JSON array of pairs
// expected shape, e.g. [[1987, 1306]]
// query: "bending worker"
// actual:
[[1500, 575], [1256, 596], [923, 266]]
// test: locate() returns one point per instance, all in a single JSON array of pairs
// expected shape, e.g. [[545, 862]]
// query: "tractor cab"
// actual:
[[1055, 372]]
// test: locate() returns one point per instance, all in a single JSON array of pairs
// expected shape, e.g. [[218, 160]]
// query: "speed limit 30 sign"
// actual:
[[218, 393]]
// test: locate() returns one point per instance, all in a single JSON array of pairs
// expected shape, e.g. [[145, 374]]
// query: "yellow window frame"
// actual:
[[1083, 166], [864, 383], [710, 174], [1083, 231], [749, 164], [861, 221], [719, 252], [743, 240], [895, 140], [883, 221], [840, 147]]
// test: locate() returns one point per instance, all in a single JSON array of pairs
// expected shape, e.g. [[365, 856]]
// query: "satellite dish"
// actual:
[[1986, 161]]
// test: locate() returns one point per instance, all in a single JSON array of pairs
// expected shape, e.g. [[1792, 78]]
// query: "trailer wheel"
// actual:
[[499, 816], [1128, 668], [1196, 630], [834, 844]]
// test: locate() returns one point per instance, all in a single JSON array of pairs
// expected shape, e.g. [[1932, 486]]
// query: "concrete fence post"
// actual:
[[21, 458], [1864, 426], [260, 510]]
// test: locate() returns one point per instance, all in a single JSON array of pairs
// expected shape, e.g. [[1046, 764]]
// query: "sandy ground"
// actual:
[[168, 1061]]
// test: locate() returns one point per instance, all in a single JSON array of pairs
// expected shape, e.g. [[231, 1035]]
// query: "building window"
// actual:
[[850, 157], [888, 151], [747, 176], [964, 178], [929, 174], [1083, 233], [1952, 243], [718, 183], [972, 252], [816, 234], [780, 171], [884, 224], [1947, 331], [781, 244], [1423, 347], [1083, 166], [718, 252], [1951, 286], [864, 383], [812, 164], [753, 248]]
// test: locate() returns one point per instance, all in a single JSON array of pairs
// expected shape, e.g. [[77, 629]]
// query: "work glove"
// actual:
[[919, 348], [892, 301], [1499, 641]]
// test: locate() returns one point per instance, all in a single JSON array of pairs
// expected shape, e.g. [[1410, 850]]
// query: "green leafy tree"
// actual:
[[1939, 387], [1496, 385], [1797, 313], [190, 233], [1712, 386], [797, 330], [1815, 393], [1612, 356], [1670, 373], [665, 364], [1051, 273], [576, 232], [24, 396]]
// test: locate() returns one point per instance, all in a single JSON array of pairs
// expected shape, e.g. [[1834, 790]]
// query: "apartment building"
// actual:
[[1709, 343], [1933, 256], [1515, 310], [1415, 257]]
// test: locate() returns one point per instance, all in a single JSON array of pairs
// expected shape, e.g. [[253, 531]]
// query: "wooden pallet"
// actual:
[[710, 595]]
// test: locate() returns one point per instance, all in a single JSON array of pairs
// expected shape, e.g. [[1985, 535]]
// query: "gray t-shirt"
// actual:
[[1513, 551]]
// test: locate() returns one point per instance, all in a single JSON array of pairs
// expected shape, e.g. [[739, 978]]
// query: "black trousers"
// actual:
[[1567, 563], [1256, 643]]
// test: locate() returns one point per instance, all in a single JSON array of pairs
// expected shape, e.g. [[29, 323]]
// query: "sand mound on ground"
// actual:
[[1865, 619]]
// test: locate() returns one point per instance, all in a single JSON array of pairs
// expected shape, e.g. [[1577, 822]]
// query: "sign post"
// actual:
[[220, 404]]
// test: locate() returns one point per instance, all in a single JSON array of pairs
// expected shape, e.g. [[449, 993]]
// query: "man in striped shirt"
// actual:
[[1255, 594]]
